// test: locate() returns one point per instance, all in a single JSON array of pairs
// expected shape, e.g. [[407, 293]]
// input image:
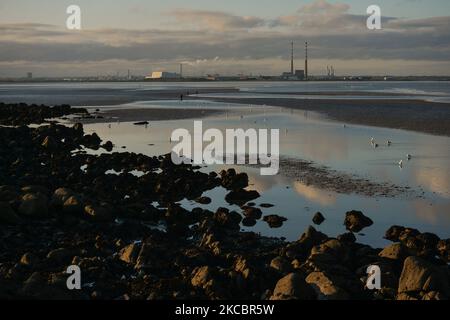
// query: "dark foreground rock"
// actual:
[[131, 239], [23, 114], [355, 221], [318, 218]]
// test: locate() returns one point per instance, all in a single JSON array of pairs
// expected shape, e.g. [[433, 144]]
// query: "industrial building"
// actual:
[[297, 74], [162, 75]]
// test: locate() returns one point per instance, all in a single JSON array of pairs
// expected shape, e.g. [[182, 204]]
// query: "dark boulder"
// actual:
[[420, 276], [34, 206], [274, 221], [7, 215], [252, 212], [348, 237], [443, 248], [318, 218], [355, 221], [227, 219], [203, 200], [241, 197], [234, 181], [293, 287]]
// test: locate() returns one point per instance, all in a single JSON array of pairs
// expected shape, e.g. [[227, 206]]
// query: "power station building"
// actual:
[[297, 74], [162, 75]]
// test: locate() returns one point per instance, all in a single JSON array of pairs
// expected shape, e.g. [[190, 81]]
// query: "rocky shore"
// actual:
[[131, 239]]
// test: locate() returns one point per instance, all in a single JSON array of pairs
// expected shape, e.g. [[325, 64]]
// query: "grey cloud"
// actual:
[[382, 45], [332, 32], [216, 20]]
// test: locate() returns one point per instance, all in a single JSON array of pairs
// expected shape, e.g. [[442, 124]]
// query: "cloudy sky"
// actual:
[[227, 37]]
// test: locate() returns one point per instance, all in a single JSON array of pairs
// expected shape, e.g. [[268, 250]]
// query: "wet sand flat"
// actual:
[[149, 114], [416, 115]]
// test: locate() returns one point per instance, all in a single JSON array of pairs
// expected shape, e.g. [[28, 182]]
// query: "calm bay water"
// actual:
[[346, 149], [304, 135]]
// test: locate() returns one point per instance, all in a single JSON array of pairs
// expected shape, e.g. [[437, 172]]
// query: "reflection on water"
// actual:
[[321, 197], [346, 149]]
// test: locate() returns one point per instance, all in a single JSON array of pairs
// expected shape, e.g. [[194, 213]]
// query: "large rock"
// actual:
[[444, 249], [252, 213], [101, 213], [34, 285], [73, 205], [274, 221], [318, 218], [418, 244], [325, 288], [292, 287], [92, 141], [7, 215], [60, 196], [355, 221], [424, 244], [29, 259], [233, 181], [130, 253], [396, 251], [302, 247], [61, 255], [34, 206], [203, 277], [50, 143], [241, 197], [228, 219], [78, 129], [399, 233], [419, 275], [347, 237], [281, 265]]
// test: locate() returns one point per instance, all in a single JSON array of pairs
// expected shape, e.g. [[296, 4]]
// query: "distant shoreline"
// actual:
[[201, 80]]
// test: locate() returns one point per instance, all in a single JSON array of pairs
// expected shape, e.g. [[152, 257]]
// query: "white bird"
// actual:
[[409, 156], [372, 140], [400, 164]]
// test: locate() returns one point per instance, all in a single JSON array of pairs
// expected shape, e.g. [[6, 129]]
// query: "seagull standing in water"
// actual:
[[400, 164], [409, 156]]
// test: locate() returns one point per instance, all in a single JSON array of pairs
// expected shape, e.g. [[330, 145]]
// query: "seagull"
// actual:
[[409, 156], [372, 140], [389, 143], [400, 164]]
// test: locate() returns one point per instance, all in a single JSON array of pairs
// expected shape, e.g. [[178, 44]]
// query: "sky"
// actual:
[[226, 37]]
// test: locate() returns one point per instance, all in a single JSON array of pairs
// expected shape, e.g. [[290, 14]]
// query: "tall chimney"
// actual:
[[306, 60], [292, 57]]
